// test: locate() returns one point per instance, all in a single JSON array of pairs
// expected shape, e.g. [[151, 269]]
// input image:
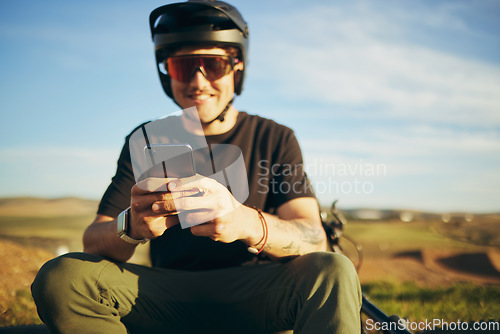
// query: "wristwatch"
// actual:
[[122, 227]]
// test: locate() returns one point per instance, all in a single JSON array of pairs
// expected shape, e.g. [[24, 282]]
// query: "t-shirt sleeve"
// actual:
[[117, 196], [289, 179]]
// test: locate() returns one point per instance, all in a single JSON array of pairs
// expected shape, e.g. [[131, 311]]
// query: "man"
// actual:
[[214, 277]]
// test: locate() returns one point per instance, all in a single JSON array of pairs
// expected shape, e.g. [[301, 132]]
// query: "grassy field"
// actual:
[[459, 301], [36, 239], [382, 238]]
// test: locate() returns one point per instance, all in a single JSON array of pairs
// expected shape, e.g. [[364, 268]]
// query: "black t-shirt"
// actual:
[[274, 167]]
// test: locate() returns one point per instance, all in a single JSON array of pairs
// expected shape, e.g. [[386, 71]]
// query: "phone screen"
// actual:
[[169, 160]]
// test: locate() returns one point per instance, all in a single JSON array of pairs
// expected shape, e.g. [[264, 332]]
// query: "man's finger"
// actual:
[[189, 203], [152, 184], [156, 225], [197, 182], [164, 207], [186, 193], [203, 230]]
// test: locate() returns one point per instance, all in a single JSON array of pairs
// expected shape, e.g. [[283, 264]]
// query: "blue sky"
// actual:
[[396, 104]]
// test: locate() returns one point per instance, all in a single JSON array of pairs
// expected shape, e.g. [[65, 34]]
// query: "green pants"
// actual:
[[313, 293]]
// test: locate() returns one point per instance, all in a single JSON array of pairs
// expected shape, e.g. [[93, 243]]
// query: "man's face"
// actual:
[[209, 97]]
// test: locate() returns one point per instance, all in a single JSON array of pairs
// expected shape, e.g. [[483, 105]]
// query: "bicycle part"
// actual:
[[352, 250]]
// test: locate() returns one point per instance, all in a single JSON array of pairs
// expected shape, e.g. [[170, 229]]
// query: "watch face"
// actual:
[[120, 223], [121, 229]]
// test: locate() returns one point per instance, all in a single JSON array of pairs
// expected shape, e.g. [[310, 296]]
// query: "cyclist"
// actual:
[[259, 266]]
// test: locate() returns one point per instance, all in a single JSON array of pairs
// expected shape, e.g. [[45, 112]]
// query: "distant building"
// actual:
[[368, 214]]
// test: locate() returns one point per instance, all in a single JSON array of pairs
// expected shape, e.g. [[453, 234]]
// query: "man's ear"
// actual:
[[239, 66], [237, 78]]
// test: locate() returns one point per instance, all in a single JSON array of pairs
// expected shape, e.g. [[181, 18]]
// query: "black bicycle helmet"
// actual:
[[198, 22]]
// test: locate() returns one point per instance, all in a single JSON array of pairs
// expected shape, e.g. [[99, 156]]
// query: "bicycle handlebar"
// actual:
[[380, 317]]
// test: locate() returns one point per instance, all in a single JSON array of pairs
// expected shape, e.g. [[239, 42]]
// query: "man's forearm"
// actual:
[[294, 231], [100, 238], [293, 237]]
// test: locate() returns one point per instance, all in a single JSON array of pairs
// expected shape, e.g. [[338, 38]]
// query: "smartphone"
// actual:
[[169, 160]]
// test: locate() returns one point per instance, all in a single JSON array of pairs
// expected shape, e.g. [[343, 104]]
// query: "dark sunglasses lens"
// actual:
[[216, 67], [182, 68]]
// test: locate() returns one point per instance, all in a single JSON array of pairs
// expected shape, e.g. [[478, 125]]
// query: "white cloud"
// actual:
[[423, 167], [407, 141], [358, 57], [56, 171]]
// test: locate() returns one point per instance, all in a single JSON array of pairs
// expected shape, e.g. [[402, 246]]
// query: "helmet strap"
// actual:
[[222, 114], [219, 117]]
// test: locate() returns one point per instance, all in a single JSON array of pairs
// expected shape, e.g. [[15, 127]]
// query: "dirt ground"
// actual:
[[430, 267], [19, 265]]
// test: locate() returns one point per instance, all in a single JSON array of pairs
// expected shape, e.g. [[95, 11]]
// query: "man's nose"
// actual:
[[199, 78]]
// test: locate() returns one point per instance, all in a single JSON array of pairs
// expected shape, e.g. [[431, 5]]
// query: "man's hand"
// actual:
[[211, 211], [207, 206], [152, 209]]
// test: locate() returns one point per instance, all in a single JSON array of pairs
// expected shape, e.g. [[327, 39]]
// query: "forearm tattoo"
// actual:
[[306, 232]]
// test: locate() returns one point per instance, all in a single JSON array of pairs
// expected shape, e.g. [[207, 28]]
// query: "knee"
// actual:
[[329, 271], [329, 265], [56, 277]]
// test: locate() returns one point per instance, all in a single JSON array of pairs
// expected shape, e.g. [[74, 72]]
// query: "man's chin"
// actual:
[[201, 114]]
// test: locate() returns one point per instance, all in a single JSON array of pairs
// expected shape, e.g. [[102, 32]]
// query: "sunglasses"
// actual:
[[213, 67]]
